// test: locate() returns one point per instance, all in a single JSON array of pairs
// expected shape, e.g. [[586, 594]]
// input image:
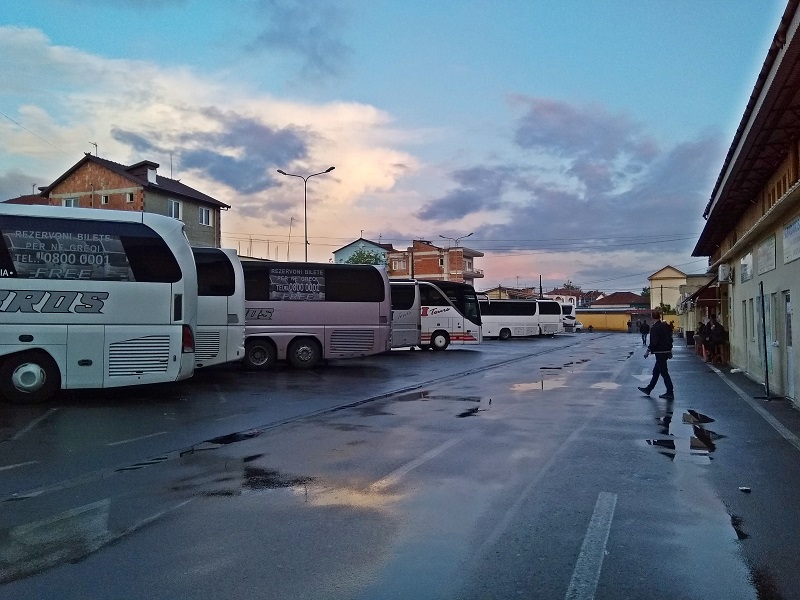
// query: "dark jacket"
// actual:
[[644, 327], [660, 338]]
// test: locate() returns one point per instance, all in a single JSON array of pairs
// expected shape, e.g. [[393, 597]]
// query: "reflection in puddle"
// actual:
[[605, 385], [544, 384], [701, 441]]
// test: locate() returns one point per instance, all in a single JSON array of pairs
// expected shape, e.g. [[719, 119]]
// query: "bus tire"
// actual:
[[505, 334], [440, 340], [304, 353], [29, 378], [259, 354]]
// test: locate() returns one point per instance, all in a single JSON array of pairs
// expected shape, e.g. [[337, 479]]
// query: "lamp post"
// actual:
[[456, 240], [305, 197]]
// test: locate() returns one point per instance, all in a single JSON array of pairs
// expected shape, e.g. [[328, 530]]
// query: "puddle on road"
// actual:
[[605, 385], [543, 384], [701, 441]]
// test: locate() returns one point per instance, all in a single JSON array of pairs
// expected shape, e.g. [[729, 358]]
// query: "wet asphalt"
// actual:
[[527, 469]]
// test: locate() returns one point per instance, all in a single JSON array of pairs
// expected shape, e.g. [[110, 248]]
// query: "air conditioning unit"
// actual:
[[725, 274]]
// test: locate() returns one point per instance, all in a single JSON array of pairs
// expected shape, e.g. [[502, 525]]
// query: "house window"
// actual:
[[70, 202], [129, 197], [399, 264], [205, 216], [441, 262], [175, 209], [103, 199]]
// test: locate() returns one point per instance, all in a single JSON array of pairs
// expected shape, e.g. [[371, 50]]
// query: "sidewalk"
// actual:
[[691, 376]]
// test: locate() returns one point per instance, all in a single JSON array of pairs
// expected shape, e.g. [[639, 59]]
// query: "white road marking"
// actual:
[[22, 464], [590, 560], [777, 425], [32, 424], [136, 439], [397, 474]]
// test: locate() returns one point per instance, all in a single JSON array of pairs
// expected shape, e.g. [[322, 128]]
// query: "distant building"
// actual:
[[31, 200], [665, 287], [506, 293], [95, 182], [361, 244], [564, 295], [423, 260]]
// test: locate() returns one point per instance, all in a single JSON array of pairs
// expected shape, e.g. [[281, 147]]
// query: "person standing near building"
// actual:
[[644, 329], [661, 346]]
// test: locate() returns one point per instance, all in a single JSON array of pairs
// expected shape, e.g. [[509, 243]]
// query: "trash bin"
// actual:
[[690, 338]]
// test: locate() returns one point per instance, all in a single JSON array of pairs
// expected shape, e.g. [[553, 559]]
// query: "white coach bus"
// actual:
[[71, 317], [220, 307], [568, 316], [449, 314], [551, 320], [309, 312]]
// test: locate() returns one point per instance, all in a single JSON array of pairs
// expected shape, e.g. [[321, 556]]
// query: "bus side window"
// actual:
[[432, 297], [402, 297], [256, 283]]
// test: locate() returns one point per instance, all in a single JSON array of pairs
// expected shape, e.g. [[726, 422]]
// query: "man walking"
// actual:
[[661, 346], [644, 329]]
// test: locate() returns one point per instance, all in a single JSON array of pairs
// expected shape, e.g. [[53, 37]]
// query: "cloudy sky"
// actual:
[[576, 140]]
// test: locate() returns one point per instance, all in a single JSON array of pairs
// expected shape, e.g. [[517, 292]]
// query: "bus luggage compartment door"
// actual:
[[85, 359]]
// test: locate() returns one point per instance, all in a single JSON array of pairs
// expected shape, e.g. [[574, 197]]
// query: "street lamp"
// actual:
[[456, 240], [305, 197]]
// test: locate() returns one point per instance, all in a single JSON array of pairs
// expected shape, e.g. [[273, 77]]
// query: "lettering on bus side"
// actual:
[[259, 314], [429, 311], [42, 302]]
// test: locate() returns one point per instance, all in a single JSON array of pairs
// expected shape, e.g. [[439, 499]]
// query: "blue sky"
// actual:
[[578, 140]]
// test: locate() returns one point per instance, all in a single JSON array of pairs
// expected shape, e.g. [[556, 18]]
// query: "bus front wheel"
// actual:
[[440, 340], [259, 354], [505, 334], [304, 353], [29, 378]]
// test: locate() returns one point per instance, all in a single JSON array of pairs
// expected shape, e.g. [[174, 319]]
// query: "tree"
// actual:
[[571, 286], [646, 292], [366, 257]]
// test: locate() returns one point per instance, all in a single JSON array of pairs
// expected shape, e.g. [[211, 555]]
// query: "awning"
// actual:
[[704, 296]]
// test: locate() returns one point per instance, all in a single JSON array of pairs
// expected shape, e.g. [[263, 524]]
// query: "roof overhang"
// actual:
[[770, 123]]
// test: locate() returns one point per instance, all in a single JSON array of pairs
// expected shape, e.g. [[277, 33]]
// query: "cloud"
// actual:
[[15, 183], [307, 30], [480, 188], [240, 152]]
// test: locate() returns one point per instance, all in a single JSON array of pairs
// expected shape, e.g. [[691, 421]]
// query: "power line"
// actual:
[[20, 125]]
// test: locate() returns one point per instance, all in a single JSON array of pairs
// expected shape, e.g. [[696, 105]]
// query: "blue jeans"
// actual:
[[661, 369]]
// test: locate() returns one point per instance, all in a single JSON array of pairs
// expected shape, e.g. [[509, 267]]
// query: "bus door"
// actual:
[[406, 317]]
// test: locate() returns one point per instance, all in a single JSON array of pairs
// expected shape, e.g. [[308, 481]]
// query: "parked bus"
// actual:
[[550, 317], [450, 314], [406, 314], [568, 316], [505, 319], [307, 312], [67, 321], [220, 307]]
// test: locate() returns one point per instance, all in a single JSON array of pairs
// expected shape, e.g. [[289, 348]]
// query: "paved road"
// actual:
[[530, 469]]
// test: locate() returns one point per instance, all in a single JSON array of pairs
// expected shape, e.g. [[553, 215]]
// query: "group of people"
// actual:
[[712, 335]]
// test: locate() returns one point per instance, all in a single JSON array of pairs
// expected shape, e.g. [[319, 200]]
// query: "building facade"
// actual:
[[752, 230], [102, 184], [423, 260]]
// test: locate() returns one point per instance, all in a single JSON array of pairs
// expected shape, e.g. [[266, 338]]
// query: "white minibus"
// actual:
[[450, 314], [67, 321], [309, 312], [220, 307], [505, 319], [406, 314]]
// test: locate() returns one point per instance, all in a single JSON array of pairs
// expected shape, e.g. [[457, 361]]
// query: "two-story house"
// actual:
[[95, 182]]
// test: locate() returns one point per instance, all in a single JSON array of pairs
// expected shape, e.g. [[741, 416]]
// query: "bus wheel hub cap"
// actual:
[[28, 377]]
